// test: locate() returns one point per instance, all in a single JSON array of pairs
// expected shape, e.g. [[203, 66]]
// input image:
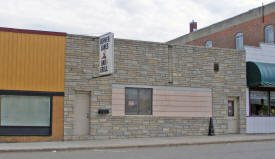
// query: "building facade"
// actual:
[[156, 90], [260, 91], [51, 88], [31, 85]]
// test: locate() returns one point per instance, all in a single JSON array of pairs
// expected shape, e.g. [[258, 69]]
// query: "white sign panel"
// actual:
[[106, 54]]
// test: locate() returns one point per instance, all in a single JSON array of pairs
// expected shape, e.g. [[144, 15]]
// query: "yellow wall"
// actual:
[[33, 62]]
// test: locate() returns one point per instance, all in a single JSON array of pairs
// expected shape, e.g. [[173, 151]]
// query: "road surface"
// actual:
[[249, 150]]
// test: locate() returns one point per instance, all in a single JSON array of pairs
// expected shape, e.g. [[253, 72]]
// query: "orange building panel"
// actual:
[[32, 61]]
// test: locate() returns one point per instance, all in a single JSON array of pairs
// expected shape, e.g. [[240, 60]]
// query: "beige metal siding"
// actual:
[[169, 103], [182, 103], [118, 101]]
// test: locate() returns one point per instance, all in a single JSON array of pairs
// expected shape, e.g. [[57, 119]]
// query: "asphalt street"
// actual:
[[249, 150]]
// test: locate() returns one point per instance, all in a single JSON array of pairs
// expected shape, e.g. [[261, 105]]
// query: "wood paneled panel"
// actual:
[[180, 98], [183, 114], [118, 113], [168, 108], [184, 93], [118, 101], [180, 103], [58, 118], [57, 126], [32, 62]]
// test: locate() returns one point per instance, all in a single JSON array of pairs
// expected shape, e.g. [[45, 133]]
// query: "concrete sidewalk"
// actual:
[[132, 143]]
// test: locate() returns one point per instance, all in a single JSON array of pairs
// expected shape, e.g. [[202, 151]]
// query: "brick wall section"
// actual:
[[252, 30], [146, 63]]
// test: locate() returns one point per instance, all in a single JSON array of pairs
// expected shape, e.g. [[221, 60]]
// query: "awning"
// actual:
[[260, 74]]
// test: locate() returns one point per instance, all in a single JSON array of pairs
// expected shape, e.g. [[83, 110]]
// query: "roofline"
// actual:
[[268, 8], [27, 31], [120, 39]]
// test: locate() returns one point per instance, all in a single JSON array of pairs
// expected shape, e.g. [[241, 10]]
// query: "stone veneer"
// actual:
[[151, 64]]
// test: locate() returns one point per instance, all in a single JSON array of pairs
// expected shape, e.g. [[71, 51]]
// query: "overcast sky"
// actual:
[[150, 20]]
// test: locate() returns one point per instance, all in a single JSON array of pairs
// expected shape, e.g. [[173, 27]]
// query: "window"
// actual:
[[269, 34], [208, 44], [259, 103], [230, 108], [272, 103], [138, 101], [262, 103], [25, 115], [239, 41]]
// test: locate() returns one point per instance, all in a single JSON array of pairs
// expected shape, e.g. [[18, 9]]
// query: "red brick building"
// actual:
[[249, 28], [244, 32]]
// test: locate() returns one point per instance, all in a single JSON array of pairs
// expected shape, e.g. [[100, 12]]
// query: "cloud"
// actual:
[[151, 20]]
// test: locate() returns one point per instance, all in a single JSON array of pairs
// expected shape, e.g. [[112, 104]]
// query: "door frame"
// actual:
[[236, 116], [88, 114]]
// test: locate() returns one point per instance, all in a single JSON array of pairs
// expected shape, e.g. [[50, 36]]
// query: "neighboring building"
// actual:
[[249, 28], [31, 85], [155, 90], [261, 88], [253, 32]]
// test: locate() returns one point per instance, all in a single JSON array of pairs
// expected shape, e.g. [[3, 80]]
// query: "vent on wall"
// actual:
[[216, 67]]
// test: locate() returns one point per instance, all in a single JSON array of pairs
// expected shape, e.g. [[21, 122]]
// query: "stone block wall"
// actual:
[[151, 64]]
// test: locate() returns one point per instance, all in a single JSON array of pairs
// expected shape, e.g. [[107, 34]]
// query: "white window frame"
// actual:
[[239, 42], [20, 110], [10, 123], [269, 34], [208, 44]]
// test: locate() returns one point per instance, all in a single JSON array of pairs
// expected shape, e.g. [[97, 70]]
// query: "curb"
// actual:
[[68, 148]]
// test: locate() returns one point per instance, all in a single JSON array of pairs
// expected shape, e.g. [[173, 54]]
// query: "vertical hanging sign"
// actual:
[[106, 54]]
